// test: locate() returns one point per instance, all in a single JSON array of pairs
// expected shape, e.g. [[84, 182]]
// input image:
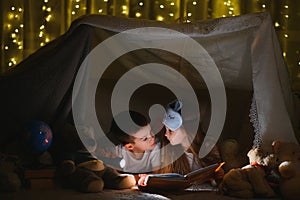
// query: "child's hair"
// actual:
[[118, 136]]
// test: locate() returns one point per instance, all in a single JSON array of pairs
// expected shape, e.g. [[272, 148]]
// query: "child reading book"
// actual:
[[135, 145], [178, 137]]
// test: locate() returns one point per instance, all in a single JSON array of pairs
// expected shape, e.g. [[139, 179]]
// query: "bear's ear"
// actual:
[[276, 145]]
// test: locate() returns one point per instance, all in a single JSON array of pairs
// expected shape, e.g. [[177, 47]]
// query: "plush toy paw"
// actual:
[[95, 186], [126, 181]]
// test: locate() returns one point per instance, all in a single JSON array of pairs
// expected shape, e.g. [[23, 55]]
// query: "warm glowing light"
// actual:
[[20, 9], [42, 44], [161, 6], [48, 18], [42, 27], [277, 24], [263, 6], [47, 39], [299, 65], [141, 4], [10, 64], [286, 6], [105, 0], [10, 16], [49, 9], [77, 6], [44, 8], [286, 35], [6, 47], [159, 18], [100, 10], [41, 34], [189, 14], [171, 14], [172, 3], [20, 47], [194, 3], [16, 30], [12, 8], [286, 16], [13, 35], [138, 14], [77, 1], [46, 1], [14, 41], [284, 54], [8, 26], [73, 12], [124, 7]]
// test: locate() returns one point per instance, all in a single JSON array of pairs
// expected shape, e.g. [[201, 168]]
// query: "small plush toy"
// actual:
[[289, 169], [84, 172], [231, 155], [250, 181]]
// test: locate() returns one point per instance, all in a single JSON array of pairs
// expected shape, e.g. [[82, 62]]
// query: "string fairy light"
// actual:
[[12, 36]]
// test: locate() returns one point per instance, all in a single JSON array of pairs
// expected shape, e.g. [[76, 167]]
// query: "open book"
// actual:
[[174, 181]]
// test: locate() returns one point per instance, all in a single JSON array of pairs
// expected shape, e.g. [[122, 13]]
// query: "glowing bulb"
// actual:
[[141, 4], [13, 35], [284, 54], [230, 12], [159, 18], [124, 12], [42, 44], [45, 1], [12, 8], [100, 10], [8, 26], [77, 1], [194, 3], [171, 14], [161, 6], [76, 6], [286, 16], [47, 40], [105, 0], [299, 65], [16, 30], [20, 9], [223, 15], [10, 16], [286, 35], [41, 34], [42, 27], [263, 6], [49, 9], [10, 64], [6, 47], [189, 14], [286, 6], [44, 8], [73, 12], [20, 47], [48, 18], [124, 7], [138, 14], [172, 3], [277, 24]]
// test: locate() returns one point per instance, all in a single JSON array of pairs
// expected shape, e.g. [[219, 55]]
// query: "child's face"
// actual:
[[143, 140], [175, 137]]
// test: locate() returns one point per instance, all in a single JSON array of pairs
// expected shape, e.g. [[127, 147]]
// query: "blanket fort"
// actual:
[[245, 50]]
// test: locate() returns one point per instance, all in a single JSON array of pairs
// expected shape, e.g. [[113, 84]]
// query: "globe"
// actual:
[[38, 136]]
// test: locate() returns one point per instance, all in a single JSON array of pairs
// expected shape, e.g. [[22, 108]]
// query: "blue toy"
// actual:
[[38, 136]]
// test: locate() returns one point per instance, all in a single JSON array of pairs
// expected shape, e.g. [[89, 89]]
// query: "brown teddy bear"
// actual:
[[250, 181], [289, 169], [82, 171]]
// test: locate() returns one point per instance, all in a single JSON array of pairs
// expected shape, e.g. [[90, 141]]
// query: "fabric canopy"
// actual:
[[244, 49]]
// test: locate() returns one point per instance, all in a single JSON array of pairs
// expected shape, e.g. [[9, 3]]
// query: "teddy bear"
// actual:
[[289, 169], [250, 181], [82, 171], [231, 155]]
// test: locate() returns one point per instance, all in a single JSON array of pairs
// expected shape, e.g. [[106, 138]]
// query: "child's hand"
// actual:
[[142, 179]]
